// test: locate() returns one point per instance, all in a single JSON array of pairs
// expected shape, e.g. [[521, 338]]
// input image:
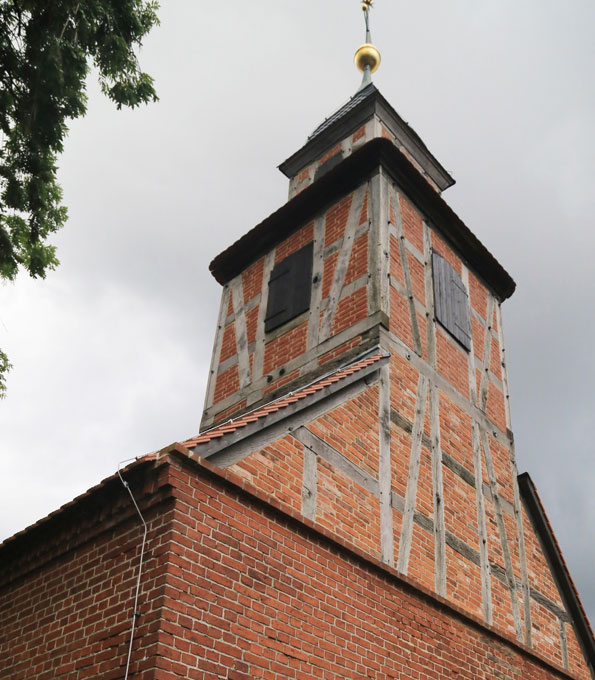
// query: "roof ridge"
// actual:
[[233, 424], [323, 376], [541, 522]]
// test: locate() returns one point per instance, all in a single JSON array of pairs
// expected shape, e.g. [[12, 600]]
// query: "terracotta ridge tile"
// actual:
[[282, 402]]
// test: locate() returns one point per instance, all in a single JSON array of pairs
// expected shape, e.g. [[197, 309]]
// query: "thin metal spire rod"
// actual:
[[367, 57]]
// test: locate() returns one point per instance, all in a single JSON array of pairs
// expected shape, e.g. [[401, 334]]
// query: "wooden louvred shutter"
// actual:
[[302, 280], [461, 323], [451, 301]]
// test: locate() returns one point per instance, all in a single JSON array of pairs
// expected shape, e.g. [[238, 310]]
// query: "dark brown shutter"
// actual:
[[302, 280], [451, 301], [277, 306], [290, 287], [328, 165]]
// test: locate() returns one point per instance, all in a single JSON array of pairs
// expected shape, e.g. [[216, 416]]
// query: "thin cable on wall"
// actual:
[[135, 612]]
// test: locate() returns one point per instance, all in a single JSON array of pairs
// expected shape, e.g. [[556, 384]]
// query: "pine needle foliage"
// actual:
[[46, 49]]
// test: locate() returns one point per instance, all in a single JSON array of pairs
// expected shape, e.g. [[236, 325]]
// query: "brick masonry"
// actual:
[[383, 537], [235, 586], [475, 548], [284, 351]]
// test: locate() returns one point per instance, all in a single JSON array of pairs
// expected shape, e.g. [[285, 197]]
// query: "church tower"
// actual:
[[351, 508], [359, 378]]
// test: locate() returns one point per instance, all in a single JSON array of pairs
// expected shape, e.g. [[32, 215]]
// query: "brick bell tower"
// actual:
[[359, 377]]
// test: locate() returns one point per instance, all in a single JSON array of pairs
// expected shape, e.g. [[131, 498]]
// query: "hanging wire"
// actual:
[[135, 612]]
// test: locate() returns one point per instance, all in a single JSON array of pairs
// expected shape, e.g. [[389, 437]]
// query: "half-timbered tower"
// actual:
[[359, 376], [351, 507]]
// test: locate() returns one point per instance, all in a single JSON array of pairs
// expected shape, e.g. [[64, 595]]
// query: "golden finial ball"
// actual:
[[367, 55]]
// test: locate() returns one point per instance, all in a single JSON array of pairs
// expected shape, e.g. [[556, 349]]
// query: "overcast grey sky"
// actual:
[[111, 352]]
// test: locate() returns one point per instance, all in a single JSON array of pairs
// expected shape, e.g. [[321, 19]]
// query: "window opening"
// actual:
[[290, 287], [451, 301]]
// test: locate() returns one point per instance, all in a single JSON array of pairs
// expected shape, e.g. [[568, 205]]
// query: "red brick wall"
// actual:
[[575, 656], [351, 429], [452, 364], [232, 587], [67, 591], [288, 344], [537, 565], [352, 513], [272, 599], [346, 509], [276, 470]]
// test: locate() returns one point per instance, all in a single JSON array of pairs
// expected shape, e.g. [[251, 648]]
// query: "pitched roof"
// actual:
[[345, 109], [75, 504], [342, 179], [283, 402], [554, 556], [360, 109]]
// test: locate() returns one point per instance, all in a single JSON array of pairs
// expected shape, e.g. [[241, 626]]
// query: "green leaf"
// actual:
[[5, 366], [45, 52]]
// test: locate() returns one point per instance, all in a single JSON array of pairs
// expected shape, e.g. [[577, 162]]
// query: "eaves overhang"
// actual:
[[356, 112], [346, 176], [75, 513]]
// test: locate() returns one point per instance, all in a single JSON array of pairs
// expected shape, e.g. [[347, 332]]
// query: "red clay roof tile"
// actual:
[[287, 400]]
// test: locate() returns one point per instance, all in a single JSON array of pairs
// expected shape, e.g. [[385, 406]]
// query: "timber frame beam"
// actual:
[[553, 555], [229, 449], [346, 176]]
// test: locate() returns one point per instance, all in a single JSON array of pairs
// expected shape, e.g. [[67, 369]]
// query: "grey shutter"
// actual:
[[461, 326], [451, 301], [441, 288], [290, 288]]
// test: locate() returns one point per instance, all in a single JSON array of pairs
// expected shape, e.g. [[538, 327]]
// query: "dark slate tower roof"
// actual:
[[357, 98], [363, 106], [344, 177]]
